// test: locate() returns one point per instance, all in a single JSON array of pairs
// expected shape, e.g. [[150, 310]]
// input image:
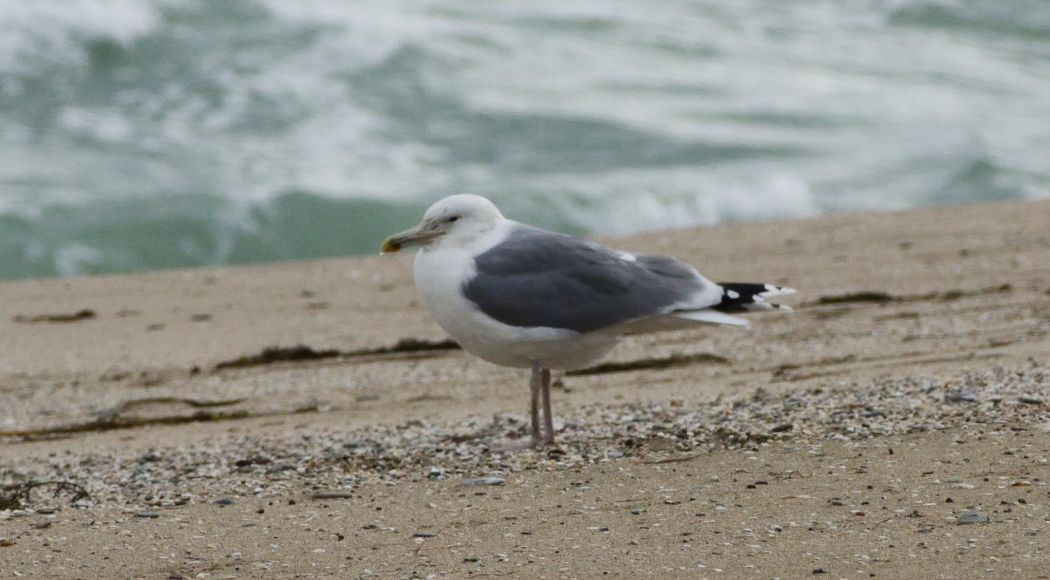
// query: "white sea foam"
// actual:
[[106, 125], [52, 32], [691, 198], [362, 33], [77, 259]]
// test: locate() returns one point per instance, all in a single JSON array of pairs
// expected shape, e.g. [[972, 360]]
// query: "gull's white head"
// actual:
[[455, 220]]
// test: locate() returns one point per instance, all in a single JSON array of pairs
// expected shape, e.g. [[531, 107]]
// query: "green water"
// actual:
[[146, 134]]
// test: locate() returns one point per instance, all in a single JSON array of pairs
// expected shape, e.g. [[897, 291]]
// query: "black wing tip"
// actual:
[[749, 297]]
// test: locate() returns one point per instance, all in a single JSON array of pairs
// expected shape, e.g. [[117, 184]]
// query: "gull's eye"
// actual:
[[452, 219]]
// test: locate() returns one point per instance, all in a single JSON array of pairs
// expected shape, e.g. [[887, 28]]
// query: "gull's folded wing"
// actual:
[[540, 278]]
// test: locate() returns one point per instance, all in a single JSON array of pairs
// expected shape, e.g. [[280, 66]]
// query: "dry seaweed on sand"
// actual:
[[115, 418], [84, 314], [303, 353]]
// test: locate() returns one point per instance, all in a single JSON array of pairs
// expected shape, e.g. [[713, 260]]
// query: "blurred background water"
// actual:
[[144, 134]]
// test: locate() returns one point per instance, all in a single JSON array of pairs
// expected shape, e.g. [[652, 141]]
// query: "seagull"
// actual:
[[520, 296]]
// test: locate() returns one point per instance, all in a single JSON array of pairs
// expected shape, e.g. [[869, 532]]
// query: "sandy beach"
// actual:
[[309, 420]]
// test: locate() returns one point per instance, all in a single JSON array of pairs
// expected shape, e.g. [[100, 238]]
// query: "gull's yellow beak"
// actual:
[[416, 236]]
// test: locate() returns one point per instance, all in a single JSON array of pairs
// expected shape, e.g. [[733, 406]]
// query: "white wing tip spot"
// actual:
[[772, 290]]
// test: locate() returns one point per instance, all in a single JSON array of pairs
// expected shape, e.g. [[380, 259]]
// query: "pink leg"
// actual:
[[535, 386], [548, 418]]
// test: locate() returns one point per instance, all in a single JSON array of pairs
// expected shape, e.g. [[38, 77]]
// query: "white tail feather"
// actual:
[[712, 317]]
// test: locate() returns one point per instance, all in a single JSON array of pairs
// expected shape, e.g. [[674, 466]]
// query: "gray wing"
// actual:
[[540, 278]]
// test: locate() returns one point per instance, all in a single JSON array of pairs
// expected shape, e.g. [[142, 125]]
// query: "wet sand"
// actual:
[[309, 420]]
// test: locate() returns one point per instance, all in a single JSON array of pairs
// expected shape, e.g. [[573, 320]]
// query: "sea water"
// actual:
[[145, 134]]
